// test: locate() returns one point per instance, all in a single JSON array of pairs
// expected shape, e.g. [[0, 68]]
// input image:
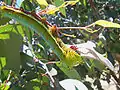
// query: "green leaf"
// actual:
[[3, 87], [4, 74], [36, 88], [28, 5], [29, 33], [42, 2], [8, 2], [71, 57], [85, 2], [4, 36], [19, 29], [97, 64], [58, 3], [31, 75], [2, 62], [4, 20], [45, 83], [105, 23], [70, 72], [33, 85], [15, 87], [6, 28], [26, 61], [10, 50], [61, 4]]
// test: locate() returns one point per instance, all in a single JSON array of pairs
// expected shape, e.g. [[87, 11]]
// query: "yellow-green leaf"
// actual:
[[85, 2], [42, 2], [58, 3], [71, 57], [5, 28], [105, 23], [52, 9], [2, 62], [66, 3], [72, 2], [70, 72], [4, 36]]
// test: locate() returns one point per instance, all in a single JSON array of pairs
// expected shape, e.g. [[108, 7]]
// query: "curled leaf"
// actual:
[[72, 84], [87, 50]]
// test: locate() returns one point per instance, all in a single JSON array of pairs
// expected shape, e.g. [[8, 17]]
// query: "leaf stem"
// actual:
[[73, 28]]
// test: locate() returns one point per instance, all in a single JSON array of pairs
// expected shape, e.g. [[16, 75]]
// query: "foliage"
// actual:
[[58, 44]]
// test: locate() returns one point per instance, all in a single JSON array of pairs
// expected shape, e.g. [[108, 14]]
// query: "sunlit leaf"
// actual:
[[105, 23], [51, 9], [19, 30], [72, 84], [5, 28], [87, 50], [3, 87], [66, 3], [85, 2], [2, 62], [33, 85], [72, 58], [58, 3], [71, 2], [70, 72], [4, 36], [36, 88], [42, 2]]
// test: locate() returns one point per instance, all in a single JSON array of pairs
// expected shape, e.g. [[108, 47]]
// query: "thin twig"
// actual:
[[44, 66], [9, 75], [86, 28], [73, 28]]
